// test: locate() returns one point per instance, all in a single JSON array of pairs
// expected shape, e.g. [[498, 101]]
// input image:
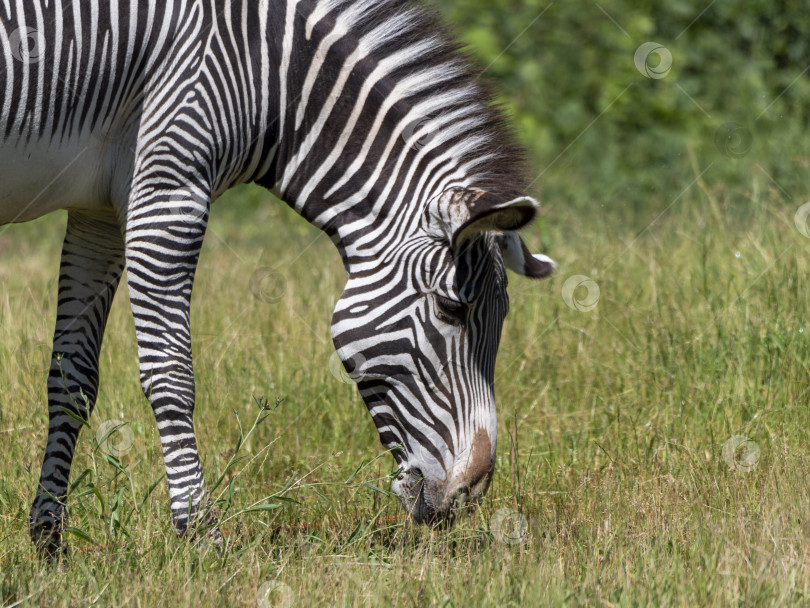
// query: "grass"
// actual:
[[612, 424]]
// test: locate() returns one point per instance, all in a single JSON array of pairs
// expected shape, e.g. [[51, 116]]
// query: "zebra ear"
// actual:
[[518, 258], [459, 213]]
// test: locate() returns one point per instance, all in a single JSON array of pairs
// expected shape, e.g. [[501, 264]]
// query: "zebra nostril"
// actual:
[[414, 484], [460, 497]]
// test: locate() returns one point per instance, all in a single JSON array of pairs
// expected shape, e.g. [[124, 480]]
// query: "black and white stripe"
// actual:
[[361, 114]]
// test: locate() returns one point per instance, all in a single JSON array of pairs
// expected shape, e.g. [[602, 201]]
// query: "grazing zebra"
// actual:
[[363, 115]]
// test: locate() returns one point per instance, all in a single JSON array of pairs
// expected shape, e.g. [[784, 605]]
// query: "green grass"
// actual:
[[612, 424]]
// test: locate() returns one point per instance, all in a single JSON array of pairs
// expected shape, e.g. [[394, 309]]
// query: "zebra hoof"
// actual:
[[47, 539], [214, 536], [207, 537], [204, 529]]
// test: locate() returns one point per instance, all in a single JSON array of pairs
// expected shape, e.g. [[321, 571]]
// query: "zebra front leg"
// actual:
[[92, 262], [162, 246]]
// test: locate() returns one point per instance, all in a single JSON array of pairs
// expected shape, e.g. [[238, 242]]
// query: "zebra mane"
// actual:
[[436, 72]]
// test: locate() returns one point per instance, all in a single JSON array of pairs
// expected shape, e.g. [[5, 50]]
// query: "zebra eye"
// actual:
[[452, 311]]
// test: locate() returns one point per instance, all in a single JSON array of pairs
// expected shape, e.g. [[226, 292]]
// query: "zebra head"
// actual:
[[418, 329]]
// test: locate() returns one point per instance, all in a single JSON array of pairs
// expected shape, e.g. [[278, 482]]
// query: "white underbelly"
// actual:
[[36, 178]]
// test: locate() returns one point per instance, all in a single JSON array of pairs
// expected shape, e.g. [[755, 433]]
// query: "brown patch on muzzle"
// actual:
[[480, 465]]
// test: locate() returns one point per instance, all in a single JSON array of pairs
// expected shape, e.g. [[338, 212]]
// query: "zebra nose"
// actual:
[[475, 472]]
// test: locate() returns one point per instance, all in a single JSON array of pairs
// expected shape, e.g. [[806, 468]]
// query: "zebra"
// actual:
[[365, 116]]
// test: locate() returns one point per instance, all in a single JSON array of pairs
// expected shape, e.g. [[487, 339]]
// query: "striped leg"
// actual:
[[162, 247], [92, 262]]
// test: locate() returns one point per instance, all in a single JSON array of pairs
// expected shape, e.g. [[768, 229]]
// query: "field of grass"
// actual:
[[612, 485]]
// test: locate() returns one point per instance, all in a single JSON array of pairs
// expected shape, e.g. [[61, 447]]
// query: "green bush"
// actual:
[[601, 134]]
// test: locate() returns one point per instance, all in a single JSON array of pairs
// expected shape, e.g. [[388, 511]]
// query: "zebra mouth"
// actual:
[[423, 508], [417, 500]]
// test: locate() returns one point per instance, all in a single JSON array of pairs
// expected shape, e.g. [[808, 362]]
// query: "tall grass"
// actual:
[[612, 486]]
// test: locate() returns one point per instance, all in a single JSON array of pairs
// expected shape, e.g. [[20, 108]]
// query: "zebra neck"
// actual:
[[377, 115], [378, 218]]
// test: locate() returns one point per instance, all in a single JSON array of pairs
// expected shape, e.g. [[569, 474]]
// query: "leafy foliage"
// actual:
[[596, 126]]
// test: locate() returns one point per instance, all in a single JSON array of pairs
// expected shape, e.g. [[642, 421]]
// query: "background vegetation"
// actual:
[[608, 138], [652, 450]]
